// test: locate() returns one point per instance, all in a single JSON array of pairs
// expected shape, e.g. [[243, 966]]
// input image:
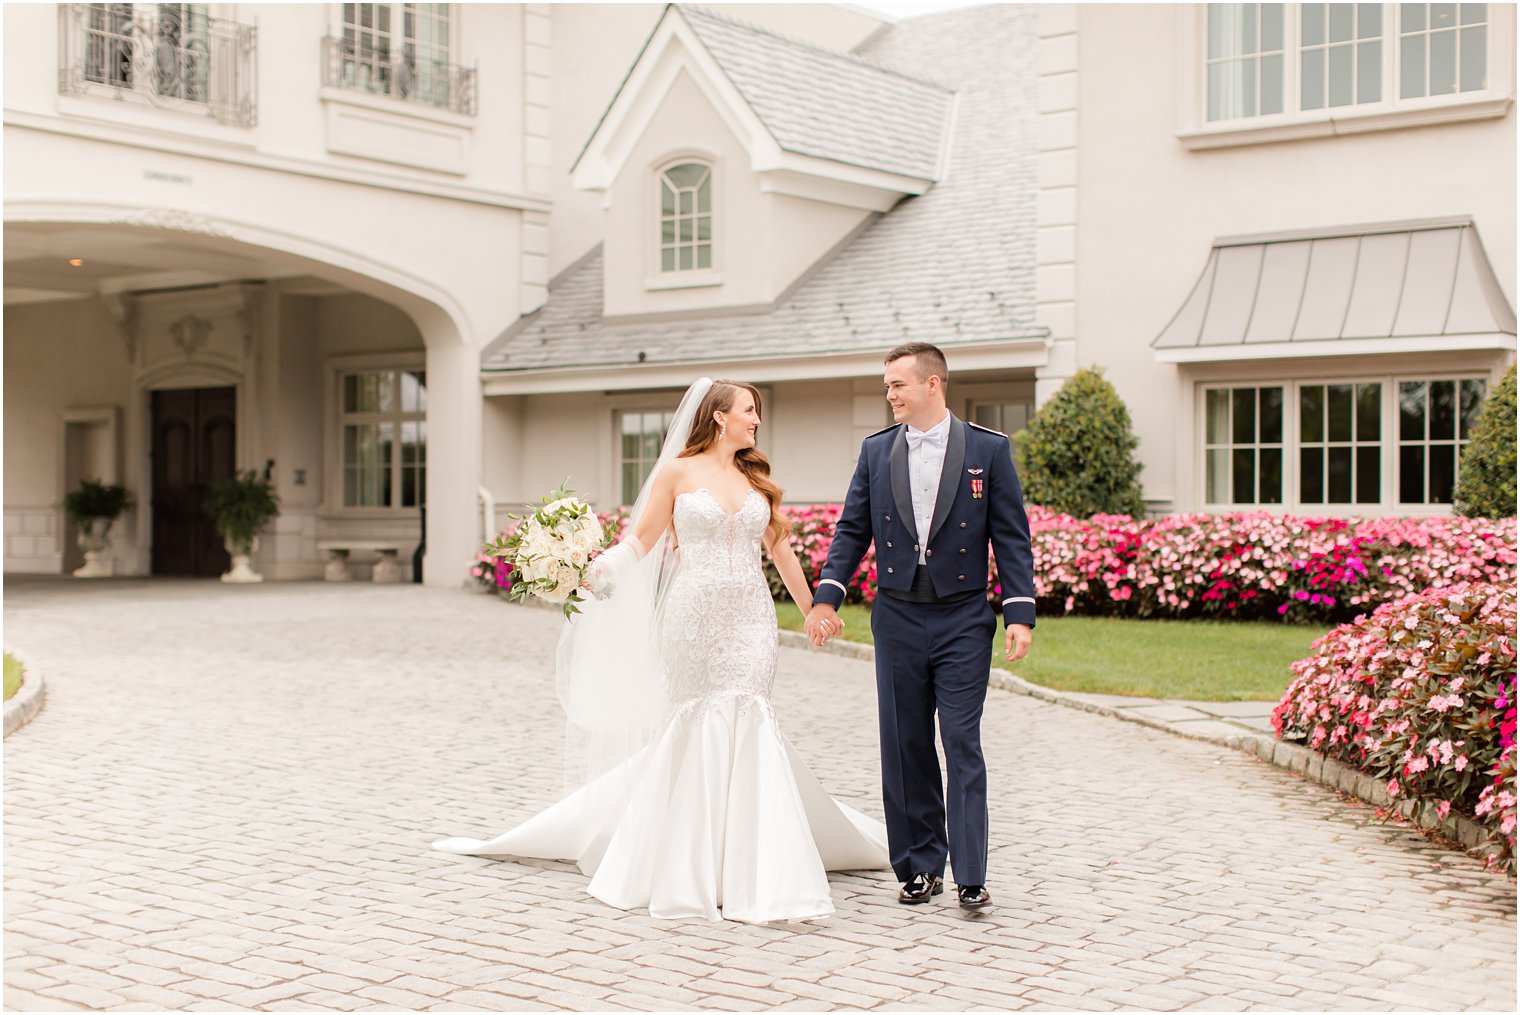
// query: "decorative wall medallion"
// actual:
[[172, 218], [190, 333]]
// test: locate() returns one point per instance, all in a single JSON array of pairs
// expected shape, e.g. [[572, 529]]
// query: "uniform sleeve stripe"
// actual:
[[1018, 599], [830, 581]]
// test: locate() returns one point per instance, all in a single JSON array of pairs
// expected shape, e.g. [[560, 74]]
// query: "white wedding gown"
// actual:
[[722, 820]]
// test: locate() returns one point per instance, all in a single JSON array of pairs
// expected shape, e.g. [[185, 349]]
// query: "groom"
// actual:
[[932, 492]]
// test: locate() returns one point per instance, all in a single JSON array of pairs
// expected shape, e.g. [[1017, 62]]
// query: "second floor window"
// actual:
[[1274, 59], [404, 51], [174, 56], [686, 217]]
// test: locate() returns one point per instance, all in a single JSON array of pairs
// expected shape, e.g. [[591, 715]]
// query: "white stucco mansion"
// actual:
[[440, 256]]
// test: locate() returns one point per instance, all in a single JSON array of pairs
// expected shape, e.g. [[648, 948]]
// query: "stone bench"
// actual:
[[387, 567]]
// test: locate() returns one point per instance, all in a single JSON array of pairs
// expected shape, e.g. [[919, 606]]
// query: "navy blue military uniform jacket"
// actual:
[[979, 502]]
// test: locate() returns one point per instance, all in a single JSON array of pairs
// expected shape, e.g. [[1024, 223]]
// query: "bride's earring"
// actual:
[[722, 429]]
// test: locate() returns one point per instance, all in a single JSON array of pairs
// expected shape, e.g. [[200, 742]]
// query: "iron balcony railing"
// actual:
[[169, 55], [370, 64]]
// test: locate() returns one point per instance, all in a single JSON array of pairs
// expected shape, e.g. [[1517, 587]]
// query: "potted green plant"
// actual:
[[241, 506], [93, 507]]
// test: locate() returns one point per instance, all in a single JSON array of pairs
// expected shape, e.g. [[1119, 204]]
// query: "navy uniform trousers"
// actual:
[[934, 657]]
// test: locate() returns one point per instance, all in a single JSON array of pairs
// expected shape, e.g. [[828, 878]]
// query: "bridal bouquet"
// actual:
[[551, 550]]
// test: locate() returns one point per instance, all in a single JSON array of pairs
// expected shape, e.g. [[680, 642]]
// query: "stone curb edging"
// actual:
[[1296, 758], [26, 703]]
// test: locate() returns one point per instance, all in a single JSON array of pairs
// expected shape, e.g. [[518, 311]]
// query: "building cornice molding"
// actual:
[[111, 134], [1018, 353]]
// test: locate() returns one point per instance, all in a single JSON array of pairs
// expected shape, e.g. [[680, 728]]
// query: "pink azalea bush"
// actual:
[[1256, 566], [1420, 694]]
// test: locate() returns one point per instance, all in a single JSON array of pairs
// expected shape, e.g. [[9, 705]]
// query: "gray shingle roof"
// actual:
[[827, 104], [953, 266]]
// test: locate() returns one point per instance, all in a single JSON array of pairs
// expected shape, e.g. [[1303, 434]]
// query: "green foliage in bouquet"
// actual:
[[94, 499], [241, 506], [1077, 457], [1486, 484], [550, 550]]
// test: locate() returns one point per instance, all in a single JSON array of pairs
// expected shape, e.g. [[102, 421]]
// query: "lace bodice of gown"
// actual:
[[718, 629]]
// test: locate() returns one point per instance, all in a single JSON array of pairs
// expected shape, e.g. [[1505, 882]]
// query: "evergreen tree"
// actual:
[[1077, 454], [1486, 482]]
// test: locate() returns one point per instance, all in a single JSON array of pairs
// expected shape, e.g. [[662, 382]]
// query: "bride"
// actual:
[[690, 801]]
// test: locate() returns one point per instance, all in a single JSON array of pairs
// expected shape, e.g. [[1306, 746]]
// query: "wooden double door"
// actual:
[[194, 444]]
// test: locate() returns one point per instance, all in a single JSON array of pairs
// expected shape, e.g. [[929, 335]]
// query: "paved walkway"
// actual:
[[227, 799]]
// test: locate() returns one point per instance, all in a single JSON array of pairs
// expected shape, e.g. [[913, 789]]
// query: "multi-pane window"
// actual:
[[1348, 444], [641, 434], [1270, 59], [398, 49], [1340, 54], [164, 49], [686, 219], [1443, 49], [1245, 60], [1435, 421], [108, 42], [1243, 445], [384, 438], [1340, 443], [1005, 417]]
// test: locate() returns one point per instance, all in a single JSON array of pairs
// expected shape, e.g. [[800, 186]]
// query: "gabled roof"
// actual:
[[1423, 283], [953, 266], [827, 104], [818, 111]]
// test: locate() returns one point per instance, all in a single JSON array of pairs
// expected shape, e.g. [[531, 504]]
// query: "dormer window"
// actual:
[[686, 217]]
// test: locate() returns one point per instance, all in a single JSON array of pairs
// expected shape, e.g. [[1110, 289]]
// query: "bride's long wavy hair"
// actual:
[[751, 461]]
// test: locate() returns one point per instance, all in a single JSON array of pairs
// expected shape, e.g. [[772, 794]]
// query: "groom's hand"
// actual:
[[1020, 637], [822, 624]]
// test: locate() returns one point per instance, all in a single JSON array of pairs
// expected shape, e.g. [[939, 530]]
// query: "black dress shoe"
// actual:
[[920, 888], [973, 896]]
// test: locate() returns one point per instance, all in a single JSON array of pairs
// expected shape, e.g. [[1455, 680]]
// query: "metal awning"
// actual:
[[1413, 286]]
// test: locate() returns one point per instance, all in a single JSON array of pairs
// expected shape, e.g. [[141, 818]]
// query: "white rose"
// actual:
[[578, 557], [555, 595]]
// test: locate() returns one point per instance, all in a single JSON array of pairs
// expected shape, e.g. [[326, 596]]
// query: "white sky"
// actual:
[[900, 9]]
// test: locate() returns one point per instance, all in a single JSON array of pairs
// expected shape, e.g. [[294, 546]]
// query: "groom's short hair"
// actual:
[[929, 360]]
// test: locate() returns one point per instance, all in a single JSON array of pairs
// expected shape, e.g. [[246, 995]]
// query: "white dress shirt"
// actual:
[[926, 460]]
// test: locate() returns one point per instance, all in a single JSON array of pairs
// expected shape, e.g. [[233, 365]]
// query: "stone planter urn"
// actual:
[[95, 541], [242, 571]]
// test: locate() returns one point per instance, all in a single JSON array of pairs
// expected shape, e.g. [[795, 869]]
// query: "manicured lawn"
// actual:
[[1193, 659], [12, 675]]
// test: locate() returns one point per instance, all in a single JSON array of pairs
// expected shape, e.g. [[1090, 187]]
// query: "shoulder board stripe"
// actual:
[[987, 429], [883, 430]]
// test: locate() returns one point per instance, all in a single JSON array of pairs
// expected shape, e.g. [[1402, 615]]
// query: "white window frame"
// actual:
[[1195, 131], [455, 125], [614, 406], [1399, 443], [1292, 502], [337, 368], [655, 277]]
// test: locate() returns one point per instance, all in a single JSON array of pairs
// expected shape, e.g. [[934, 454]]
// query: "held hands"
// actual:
[[822, 624], [1016, 646]]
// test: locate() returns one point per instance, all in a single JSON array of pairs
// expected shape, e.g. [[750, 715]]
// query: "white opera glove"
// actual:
[[613, 565]]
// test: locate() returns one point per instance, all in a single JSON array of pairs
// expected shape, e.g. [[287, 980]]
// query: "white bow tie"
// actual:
[[933, 438]]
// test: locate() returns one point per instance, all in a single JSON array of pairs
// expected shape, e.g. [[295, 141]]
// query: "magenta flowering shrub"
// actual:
[[1256, 566], [1420, 694]]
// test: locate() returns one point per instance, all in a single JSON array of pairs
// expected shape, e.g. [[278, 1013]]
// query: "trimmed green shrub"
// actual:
[[1076, 457], [1486, 483]]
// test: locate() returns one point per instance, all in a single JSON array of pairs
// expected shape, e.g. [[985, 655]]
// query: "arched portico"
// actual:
[[225, 307]]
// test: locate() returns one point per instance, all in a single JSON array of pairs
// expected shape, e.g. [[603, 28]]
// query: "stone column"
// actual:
[[453, 456]]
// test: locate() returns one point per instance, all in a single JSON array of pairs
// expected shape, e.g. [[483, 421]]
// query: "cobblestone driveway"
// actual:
[[227, 800]]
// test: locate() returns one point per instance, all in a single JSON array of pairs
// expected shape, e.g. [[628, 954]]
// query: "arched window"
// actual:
[[686, 217]]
